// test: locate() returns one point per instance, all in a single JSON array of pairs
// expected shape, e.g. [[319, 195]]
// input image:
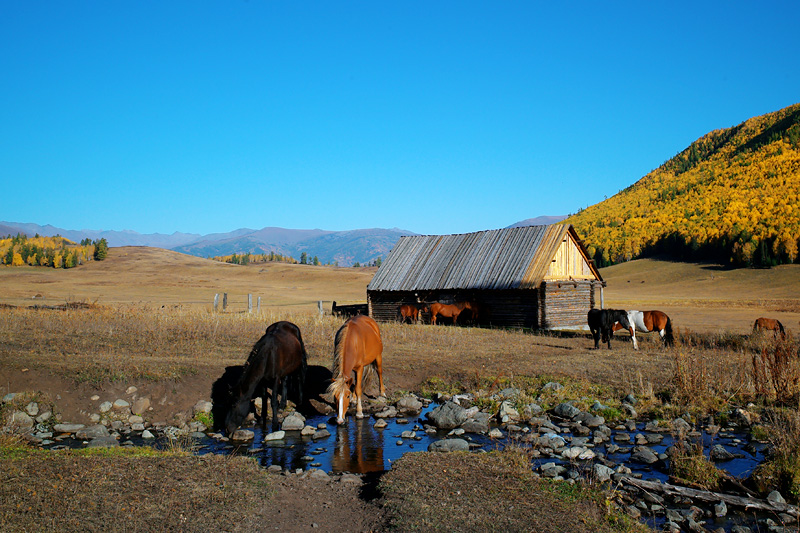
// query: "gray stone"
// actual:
[[449, 445], [92, 432], [120, 405], [44, 417], [448, 416], [140, 406], [22, 419], [496, 434], [380, 424], [408, 434], [321, 434], [202, 406], [32, 409], [307, 431], [566, 410], [602, 473], [775, 497], [135, 419], [551, 470], [67, 428], [9, 397], [643, 454], [681, 426], [552, 386], [318, 474], [507, 412], [350, 479], [293, 422], [409, 403], [140, 427], [549, 440], [105, 407], [476, 426], [103, 442], [719, 453], [243, 435], [389, 411], [720, 509], [147, 435]]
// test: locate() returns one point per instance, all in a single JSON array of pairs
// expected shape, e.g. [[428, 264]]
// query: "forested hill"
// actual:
[[732, 196]]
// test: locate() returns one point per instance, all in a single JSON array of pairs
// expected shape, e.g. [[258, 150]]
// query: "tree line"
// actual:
[[55, 252]]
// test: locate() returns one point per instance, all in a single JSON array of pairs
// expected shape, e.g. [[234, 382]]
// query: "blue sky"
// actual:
[[435, 117]]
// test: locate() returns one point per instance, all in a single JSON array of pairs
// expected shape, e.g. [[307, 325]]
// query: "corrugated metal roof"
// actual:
[[511, 258]]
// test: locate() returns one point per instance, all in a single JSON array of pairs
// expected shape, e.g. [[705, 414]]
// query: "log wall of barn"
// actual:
[[564, 304], [556, 304]]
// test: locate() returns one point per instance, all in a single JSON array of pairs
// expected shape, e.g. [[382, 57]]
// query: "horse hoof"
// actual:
[[340, 421], [359, 415]]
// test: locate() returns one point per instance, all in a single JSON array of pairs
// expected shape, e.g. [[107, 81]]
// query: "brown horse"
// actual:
[[357, 349], [410, 312], [450, 310], [645, 322], [769, 324], [278, 358]]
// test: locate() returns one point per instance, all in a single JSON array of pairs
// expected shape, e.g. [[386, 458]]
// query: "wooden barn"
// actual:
[[536, 276]]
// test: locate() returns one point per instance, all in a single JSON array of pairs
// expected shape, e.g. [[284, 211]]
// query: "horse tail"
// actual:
[[669, 338], [339, 380]]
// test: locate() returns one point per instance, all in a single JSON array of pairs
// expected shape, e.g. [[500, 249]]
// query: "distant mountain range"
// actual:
[[341, 247]]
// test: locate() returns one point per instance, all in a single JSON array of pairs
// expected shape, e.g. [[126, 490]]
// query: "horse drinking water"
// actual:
[[277, 360], [645, 322], [357, 349], [601, 323]]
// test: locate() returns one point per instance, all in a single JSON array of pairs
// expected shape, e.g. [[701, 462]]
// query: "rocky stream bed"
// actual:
[[629, 457]]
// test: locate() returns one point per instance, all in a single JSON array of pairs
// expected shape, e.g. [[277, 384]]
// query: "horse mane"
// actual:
[[339, 380]]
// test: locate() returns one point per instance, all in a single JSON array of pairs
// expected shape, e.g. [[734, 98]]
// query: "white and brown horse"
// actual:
[[647, 321]]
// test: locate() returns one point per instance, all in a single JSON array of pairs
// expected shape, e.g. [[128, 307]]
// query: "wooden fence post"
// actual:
[[216, 302], [224, 301], [319, 306], [249, 303], [259, 305]]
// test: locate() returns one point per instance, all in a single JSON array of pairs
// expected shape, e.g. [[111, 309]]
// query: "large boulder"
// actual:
[[449, 445], [448, 416], [92, 432]]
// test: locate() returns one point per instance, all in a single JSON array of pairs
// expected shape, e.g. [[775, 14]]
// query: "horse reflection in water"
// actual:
[[359, 448]]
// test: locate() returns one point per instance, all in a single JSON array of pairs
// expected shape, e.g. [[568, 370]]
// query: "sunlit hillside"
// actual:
[[732, 196]]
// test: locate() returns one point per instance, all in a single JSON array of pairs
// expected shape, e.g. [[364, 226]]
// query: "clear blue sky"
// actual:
[[436, 117]]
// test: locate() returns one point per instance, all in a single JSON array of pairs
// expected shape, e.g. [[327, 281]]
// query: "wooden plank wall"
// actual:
[[565, 304]]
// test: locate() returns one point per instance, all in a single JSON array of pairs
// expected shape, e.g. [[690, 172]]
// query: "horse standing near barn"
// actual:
[[357, 350], [645, 322], [601, 323], [410, 312], [769, 324], [449, 310], [277, 360]]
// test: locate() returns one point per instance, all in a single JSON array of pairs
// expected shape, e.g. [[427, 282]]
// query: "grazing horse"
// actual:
[[277, 359], [769, 324], [357, 349], [410, 312], [601, 323], [450, 310], [645, 322]]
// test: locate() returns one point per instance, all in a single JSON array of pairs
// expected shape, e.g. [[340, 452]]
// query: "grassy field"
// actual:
[[146, 319]]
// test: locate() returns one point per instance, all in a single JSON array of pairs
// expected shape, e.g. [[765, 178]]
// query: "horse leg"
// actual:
[[275, 388], [633, 338], [379, 368], [359, 409]]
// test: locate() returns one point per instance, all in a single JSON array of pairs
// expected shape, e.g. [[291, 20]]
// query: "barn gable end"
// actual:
[[536, 276]]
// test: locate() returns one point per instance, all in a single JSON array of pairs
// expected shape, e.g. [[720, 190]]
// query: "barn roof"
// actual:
[[511, 258]]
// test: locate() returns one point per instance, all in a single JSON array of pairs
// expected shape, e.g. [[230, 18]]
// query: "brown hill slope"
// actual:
[[731, 196], [155, 276]]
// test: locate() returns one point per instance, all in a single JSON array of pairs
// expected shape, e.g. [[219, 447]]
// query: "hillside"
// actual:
[[731, 197], [156, 277]]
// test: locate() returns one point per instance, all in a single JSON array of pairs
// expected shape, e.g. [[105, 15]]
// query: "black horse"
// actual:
[[278, 360], [601, 322]]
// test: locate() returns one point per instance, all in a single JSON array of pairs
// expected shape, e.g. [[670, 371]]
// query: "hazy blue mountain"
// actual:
[[341, 247], [538, 221]]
